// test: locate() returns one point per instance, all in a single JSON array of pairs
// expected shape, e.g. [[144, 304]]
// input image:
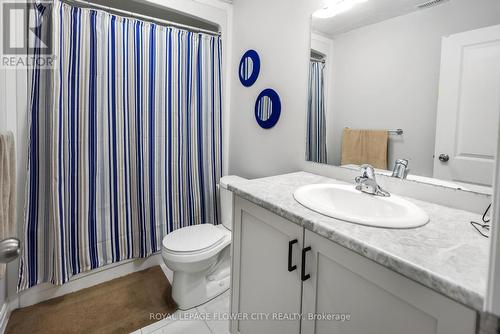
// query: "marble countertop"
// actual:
[[446, 255]]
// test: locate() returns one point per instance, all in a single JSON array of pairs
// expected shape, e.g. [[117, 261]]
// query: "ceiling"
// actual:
[[369, 12]]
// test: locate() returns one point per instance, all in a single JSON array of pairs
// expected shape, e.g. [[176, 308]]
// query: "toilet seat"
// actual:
[[195, 243]]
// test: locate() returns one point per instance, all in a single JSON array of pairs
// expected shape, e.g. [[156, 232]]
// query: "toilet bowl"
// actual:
[[199, 256]]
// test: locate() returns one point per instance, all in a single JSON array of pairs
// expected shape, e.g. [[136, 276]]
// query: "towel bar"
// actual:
[[398, 132]]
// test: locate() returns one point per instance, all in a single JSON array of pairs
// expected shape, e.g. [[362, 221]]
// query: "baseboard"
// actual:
[[4, 317], [47, 291]]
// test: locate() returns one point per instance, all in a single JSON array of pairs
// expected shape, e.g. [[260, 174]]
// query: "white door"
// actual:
[[377, 300], [468, 107], [265, 279]]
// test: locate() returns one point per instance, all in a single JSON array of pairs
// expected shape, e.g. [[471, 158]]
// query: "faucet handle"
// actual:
[[366, 182], [367, 171], [403, 162], [400, 169]]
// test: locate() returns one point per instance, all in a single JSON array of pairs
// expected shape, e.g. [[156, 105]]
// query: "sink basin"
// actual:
[[346, 203]]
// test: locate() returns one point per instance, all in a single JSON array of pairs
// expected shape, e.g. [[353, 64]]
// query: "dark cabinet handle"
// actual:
[[303, 275], [290, 251]]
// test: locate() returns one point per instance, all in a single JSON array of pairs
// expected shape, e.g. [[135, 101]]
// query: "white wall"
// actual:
[[6, 123], [386, 76], [279, 31], [12, 117], [13, 107]]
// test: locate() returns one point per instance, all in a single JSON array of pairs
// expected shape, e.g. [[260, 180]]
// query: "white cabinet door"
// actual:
[[261, 281], [378, 300], [468, 106]]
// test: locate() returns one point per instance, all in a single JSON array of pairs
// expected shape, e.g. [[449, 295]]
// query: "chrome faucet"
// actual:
[[366, 183], [400, 169]]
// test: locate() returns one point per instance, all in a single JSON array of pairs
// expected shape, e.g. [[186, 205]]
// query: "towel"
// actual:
[[365, 147], [7, 189]]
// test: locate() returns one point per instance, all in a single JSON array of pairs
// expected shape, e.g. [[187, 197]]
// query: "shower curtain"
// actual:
[[125, 141], [316, 127]]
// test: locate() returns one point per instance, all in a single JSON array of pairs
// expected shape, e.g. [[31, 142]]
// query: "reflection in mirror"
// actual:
[[316, 126], [264, 108], [412, 88], [246, 68]]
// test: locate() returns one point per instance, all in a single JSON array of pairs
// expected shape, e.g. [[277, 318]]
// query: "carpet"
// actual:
[[121, 305]]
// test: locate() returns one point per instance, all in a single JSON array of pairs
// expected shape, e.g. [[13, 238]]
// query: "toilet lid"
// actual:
[[194, 238]]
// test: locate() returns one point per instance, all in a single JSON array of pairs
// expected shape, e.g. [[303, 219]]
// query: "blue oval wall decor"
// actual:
[[249, 68], [267, 108]]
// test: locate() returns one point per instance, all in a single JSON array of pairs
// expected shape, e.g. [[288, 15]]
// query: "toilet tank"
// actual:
[[226, 200]]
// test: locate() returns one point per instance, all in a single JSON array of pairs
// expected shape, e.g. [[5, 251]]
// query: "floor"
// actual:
[[191, 321], [117, 306]]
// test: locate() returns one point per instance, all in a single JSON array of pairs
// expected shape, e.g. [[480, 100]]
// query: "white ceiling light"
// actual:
[[335, 7]]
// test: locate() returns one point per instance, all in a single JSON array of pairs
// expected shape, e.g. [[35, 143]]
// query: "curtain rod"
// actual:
[[140, 16], [318, 60]]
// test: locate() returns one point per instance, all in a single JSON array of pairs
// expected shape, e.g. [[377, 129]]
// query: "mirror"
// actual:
[[249, 68], [267, 108], [407, 86]]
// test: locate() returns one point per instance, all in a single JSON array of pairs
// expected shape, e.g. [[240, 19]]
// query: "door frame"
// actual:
[[492, 299]]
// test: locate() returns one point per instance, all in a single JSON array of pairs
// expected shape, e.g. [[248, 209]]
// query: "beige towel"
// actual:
[[7, 189], [365, 147]]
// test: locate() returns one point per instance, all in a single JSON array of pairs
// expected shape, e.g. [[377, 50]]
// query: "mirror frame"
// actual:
[[275, 112], [254, 56]]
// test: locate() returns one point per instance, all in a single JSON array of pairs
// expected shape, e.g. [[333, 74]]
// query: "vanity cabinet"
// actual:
[[321, 280], [261, 281]]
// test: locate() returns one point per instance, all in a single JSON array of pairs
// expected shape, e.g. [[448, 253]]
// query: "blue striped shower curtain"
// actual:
[[316, 120], [125, 141]]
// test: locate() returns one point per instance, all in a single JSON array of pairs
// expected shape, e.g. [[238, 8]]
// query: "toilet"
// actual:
[[199, 256]]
